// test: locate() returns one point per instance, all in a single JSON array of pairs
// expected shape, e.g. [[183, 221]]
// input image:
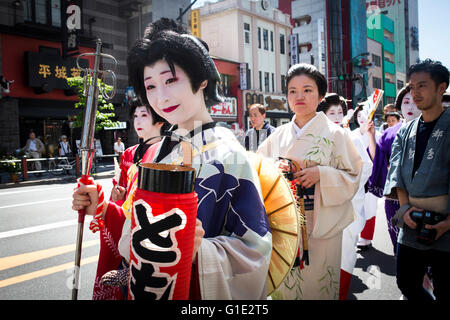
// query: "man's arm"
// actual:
[[403, 198]]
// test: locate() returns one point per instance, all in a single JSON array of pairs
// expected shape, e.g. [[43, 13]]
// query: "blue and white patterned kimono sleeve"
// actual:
[[234, 264], [234, 255]]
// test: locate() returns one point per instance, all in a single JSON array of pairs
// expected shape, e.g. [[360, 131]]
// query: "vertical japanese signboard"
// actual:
[[195, 23], [243, 75], [294, 48]]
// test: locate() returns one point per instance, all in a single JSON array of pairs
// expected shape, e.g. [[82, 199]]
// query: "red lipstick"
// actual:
[[170, 109]]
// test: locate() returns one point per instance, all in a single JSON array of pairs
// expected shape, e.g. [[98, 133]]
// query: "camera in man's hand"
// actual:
[[424, 235]]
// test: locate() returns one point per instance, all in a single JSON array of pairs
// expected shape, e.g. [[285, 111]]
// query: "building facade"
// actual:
[[229, 111], [375, 72], [382, 30], [255, 34], [332, 36], [403, 15]]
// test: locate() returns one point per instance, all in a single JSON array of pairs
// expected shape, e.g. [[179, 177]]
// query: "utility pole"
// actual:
[[182, 13]]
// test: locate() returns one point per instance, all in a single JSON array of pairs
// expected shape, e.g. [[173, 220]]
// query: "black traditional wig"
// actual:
[[165, 40], [332, 99], [135, 102], [400, 95]]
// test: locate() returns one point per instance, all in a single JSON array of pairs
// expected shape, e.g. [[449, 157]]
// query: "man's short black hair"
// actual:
[[311, 72], [438, 73]]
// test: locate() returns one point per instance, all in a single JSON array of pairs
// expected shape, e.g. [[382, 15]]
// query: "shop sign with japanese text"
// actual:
[[228, 108], [51, 71]]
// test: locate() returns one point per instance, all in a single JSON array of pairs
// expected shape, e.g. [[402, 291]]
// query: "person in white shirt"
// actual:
[[119, 147], [64, 147]]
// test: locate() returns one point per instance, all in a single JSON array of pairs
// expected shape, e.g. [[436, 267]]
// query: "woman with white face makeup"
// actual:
[[232, 245], [335, 108], [146, 124], [408, 107], [381, 152], [370, 201]]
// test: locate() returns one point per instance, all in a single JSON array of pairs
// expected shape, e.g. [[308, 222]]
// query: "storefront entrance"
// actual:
[[49, 131]]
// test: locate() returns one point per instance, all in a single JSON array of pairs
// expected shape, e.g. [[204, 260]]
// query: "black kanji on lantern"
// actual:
[[147, 282]]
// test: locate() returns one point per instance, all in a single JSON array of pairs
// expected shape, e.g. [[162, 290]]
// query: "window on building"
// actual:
[[376, 83], [266, 39], [282, 45], [259, 38], [46, 12], [304, 47], [302, 21], [390, 100], [389, 78], [225, 81], [283, 84], [56, 12], [273, 82], [388, 35], [249, 79], [266, 82], [400, 84], [247, 33], [389, 57], [260, 81], [376, 59], [271, 41]]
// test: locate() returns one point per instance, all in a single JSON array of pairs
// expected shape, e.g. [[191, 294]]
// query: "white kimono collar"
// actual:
[[299, 131]]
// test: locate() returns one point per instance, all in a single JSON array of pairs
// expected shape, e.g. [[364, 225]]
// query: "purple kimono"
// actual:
[[378, 178]]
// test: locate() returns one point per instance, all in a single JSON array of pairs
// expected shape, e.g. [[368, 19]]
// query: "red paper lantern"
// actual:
[[162, 232]]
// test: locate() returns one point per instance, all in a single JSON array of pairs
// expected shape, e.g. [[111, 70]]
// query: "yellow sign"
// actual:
[[195, 23]]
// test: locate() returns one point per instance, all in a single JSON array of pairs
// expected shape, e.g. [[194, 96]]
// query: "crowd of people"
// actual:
[[341, 173]]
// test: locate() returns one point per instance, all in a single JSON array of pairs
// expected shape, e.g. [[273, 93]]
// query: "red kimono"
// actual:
[[109, 257]]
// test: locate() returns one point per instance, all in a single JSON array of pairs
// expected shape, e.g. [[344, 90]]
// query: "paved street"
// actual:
[[37, 243], [37, 248], [374, 273]]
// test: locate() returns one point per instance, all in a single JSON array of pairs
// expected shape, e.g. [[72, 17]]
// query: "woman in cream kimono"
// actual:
[[331, 169]]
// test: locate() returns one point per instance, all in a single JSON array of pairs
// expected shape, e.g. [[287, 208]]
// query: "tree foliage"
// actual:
[[105, 110]]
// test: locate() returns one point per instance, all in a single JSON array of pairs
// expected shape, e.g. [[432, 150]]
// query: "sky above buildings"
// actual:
[[434, 27], [434, 35]]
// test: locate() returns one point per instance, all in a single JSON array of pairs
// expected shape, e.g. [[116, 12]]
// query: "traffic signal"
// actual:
[[362, 62], [349, 77]]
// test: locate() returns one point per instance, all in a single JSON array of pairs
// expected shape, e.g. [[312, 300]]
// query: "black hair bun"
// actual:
[[163, 24]]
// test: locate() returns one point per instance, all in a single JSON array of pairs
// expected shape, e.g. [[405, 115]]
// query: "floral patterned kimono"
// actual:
[[329, 147]]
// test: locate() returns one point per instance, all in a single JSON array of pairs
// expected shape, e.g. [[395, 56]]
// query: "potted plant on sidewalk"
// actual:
[[11, 166]]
